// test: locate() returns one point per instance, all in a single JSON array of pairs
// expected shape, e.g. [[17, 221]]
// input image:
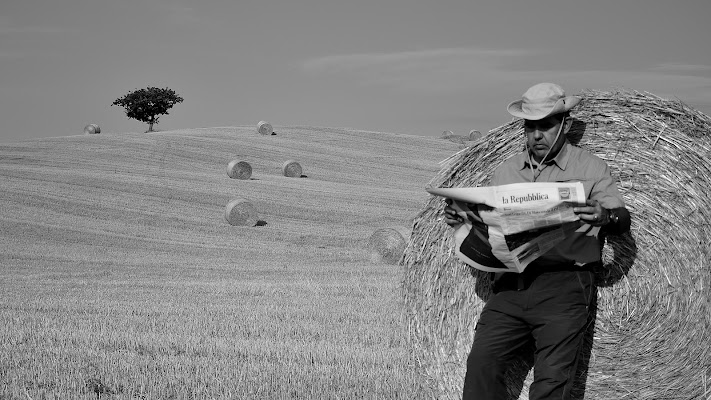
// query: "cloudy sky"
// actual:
[[405, 66]]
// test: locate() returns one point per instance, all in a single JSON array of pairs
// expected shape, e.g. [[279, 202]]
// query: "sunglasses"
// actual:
[[542, 125]]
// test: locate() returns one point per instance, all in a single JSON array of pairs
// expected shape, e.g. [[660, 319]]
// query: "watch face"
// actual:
[[613, 217]]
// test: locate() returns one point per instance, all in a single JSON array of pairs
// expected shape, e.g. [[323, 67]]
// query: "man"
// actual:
[[549, 302]]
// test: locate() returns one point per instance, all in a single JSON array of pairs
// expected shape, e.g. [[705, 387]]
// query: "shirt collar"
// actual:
[[561, 159]]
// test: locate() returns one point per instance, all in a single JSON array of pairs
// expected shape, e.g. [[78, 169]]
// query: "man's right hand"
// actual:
[[450, 215]]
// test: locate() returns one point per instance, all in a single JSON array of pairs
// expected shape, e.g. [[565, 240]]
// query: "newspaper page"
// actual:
[[509, 226]]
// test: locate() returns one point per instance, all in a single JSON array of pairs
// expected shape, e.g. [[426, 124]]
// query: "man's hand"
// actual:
[[450, 215], [593, 213]]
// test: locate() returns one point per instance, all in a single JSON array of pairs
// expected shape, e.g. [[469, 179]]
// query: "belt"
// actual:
[[514, 281]]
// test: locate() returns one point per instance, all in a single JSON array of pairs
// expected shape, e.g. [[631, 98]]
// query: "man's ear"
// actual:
[[568, 124]]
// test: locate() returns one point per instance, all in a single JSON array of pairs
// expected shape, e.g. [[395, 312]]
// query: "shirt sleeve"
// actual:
[[605, 190], [495, 177], [502, 174]]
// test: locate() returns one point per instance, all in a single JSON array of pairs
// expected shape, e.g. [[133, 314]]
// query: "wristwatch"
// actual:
[[612, 216]]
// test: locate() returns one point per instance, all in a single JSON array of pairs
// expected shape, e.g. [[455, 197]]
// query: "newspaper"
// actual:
[[507, 227]]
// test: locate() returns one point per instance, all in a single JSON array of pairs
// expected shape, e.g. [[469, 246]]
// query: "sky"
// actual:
[[401, 66]]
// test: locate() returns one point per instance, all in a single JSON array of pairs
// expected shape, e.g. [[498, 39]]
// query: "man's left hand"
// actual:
[[593, 213]]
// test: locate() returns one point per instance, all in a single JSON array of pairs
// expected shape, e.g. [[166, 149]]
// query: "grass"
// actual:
[[305, 333], [120, 279]]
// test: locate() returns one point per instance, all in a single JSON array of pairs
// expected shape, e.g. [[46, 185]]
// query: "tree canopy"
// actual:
[[147, 104]]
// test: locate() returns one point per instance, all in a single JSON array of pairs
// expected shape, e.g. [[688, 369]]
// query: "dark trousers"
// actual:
[[552, 309]]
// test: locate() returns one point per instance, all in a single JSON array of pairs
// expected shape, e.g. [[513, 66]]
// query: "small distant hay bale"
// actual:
[[387, 245], [237, 169], [449, 135], [264, 128], [292, 169], [241, 212], [651, 334], [474, 135], [92, 129]]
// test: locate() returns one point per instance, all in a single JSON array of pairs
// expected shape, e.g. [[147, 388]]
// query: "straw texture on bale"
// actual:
[[92, 129], [237, 169], [241, 212], [264, 128], [387, 245], [292, 169], [650, 337]]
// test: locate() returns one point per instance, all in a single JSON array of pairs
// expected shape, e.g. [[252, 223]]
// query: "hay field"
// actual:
[[120, 276]]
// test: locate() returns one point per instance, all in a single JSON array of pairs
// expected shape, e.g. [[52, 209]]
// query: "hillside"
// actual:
[[129, 228], [169, 190]]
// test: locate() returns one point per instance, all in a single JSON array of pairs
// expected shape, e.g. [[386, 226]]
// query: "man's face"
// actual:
[[541, 136]]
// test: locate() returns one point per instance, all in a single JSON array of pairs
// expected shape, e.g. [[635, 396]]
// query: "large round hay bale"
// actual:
[[264, 128], [241, 212], [650, 337], [474, 135], [387, 245], [449, 135], [237, 169], [92, 129], [292, 169]]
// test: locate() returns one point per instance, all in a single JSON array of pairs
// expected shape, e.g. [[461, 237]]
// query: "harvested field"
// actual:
[[119, 267]]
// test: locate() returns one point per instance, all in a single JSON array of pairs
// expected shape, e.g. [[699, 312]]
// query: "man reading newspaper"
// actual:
[[548, 303], [508, 227]]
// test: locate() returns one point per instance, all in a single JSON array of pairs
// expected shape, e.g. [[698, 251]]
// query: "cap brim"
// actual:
[[562, 105], [516, 109]]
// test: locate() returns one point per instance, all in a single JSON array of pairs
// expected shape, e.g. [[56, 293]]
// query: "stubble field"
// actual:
[[120, 276]]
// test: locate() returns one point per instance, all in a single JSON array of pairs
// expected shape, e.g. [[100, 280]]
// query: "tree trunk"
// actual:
[[150, 124]]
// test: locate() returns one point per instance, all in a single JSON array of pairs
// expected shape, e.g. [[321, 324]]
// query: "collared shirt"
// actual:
[[569, 165]]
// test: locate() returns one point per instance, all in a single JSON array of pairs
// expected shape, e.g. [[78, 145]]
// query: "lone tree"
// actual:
[[147, 104]]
